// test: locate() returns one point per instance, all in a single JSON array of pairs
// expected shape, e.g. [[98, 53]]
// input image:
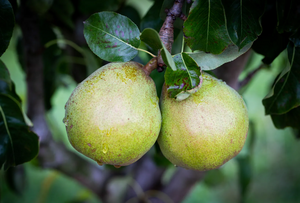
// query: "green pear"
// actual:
[[113, 116], [205, 130]]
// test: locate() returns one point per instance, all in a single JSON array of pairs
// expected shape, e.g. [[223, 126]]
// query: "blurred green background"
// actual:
[[273, 155]]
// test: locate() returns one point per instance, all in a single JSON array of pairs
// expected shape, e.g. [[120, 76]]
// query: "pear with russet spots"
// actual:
[[205, 130], [113, 116]]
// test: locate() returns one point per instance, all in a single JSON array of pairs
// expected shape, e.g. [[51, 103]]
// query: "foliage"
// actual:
[[18, 144], [215, 32]]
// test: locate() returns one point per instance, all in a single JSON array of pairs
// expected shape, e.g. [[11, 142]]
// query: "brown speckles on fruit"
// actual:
[[211, 125], [111, 118]]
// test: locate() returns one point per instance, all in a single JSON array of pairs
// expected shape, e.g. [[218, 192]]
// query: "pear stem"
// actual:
[[150, 66]]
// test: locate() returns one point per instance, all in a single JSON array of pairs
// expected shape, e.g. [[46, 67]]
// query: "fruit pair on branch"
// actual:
[[114, 116]]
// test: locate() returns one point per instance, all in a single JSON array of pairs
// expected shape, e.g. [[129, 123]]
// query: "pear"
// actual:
[[205, 130], [113, 116]]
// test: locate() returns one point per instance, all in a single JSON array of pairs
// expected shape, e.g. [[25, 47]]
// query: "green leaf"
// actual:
[[265, 44], [243, 20], [112, 37], [289, 119], [285, 94], [185, 80], [7, 22], [205, 27], [17, 143], [152, 19], [209, 61], [288, 15], [151, 37]]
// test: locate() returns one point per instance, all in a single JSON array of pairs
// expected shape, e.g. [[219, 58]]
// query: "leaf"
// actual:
[[7, 22], [185, 80], [205, 27], [289, 119], [288, 15], [152, 19], [112, 37], [151, 37], [16, 179], [243, 20], [265, 45], [209, 61], [17, 143], [285, 94]]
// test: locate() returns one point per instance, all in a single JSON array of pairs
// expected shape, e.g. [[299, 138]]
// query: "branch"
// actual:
[[166, 32], [180, 185]]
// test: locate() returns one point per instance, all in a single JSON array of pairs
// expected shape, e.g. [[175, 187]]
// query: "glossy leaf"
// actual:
[[186, 80], [288, 15], [17, 143], [112, 37], [285, 94], [151, 37], [242, 23], [7, 22], [289, 119], [205, 28], [270, 43], [152, 19], [209, 61]]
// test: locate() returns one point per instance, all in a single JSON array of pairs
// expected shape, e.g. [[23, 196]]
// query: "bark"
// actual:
[[166, 32]]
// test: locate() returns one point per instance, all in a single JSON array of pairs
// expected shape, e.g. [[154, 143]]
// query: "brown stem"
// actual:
[[166, 32], [150, 66]]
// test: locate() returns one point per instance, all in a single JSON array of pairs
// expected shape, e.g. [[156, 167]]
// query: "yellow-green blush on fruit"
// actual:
[[205, 130], [113, 116]]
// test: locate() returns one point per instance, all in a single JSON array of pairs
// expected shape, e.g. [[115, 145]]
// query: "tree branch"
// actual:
[[166, 32]]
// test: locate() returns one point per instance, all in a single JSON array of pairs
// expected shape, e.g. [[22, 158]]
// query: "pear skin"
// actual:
[[113, 116], [205, 130]]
